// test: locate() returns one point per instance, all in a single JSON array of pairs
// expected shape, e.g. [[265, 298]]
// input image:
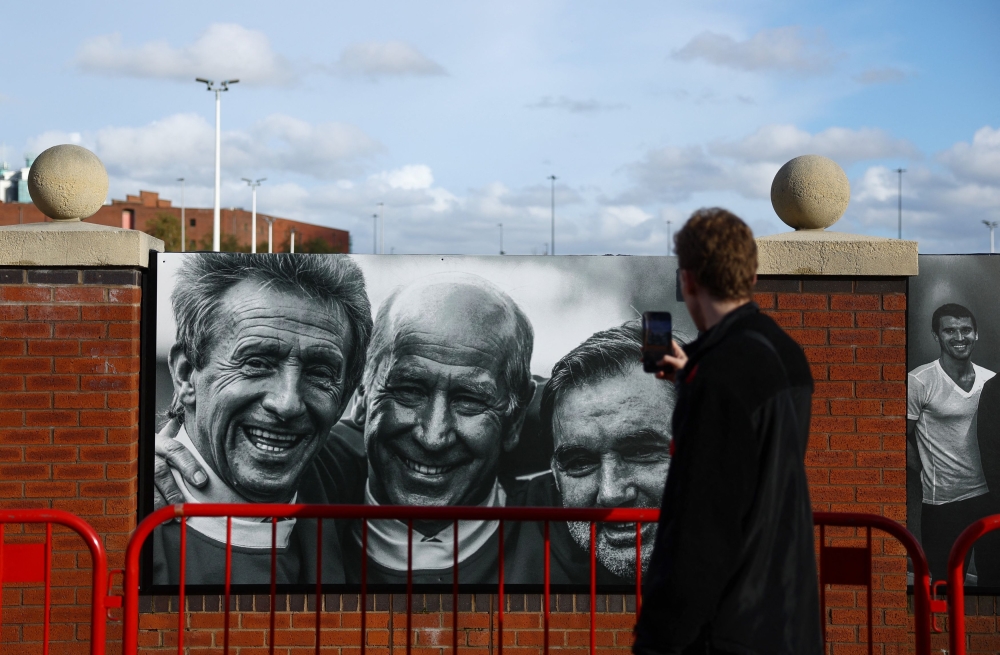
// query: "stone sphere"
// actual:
[[810, 192], [68, 183]]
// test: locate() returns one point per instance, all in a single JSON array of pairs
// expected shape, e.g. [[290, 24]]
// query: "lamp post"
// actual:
[[501, 237], [253, 211], [381, 240], [183, 241], [992, 225], [553, 179], [900, 171], [270, 233], [670, 243], [216, 220]]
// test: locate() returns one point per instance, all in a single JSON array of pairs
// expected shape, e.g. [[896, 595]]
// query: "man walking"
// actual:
[[733, 568], [941, 403]]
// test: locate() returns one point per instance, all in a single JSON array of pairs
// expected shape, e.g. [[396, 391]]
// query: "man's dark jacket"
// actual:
[[733, 567]]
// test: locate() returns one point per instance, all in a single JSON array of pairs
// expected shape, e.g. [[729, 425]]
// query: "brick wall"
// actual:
[[68, 377], [69, 388]]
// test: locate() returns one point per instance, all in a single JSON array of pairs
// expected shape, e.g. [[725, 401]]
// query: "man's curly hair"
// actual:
[[718, 248]]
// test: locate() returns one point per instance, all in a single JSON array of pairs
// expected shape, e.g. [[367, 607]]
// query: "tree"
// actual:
[[167, 228]]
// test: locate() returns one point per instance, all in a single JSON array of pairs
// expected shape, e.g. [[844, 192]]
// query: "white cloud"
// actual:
[[184, 145], [886, 75], [779, 49], [942, 207], [386, 59], [747, 166], [779, 143], [575, 106], [223, 51], [409, 177], [979, 160]]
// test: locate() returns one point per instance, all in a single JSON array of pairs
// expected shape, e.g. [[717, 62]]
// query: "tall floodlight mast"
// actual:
[[183, 242], [992, 225], [270, 233], [900, 171], [216, 215], [253, 211], [552, 250]]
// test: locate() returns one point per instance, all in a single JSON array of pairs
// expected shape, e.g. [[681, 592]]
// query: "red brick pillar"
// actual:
[[69, 410]]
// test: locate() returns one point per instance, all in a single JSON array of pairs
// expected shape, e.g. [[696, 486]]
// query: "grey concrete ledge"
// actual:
[[74, 244], [818, 252]]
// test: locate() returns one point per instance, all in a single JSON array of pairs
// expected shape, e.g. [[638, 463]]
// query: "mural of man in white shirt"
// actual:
[[941, 404]]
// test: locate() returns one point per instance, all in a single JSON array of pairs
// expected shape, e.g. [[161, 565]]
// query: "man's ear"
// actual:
[[359, 406], [688, 283], [513, 434], [937, 338], [182, 372]]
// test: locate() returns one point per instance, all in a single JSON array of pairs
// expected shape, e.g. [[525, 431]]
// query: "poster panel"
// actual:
[[953, 410], [406, 380]]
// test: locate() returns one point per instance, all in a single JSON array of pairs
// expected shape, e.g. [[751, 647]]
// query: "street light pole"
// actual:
[[992, 225], [501, 237], [183, 241], [553, 179], [270, 233], [253, 211], [381, 241], [216, 220], [900, 171], [670, 242]]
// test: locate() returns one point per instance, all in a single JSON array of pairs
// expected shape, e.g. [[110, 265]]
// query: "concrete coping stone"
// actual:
[[74, 244], [821, 252]]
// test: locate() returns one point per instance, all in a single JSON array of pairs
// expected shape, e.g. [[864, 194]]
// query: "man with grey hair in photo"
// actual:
[[444, 395], [268, 351]]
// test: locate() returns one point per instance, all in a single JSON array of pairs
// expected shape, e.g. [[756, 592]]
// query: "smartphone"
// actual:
[[657, 341]]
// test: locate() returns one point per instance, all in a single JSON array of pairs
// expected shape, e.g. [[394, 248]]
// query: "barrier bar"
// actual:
[[921, 572], [319, 580], [454, 591], [180, 609], [956, 580], [593, 587], [229, 580], [548, 554], [274, 580], [638, 568], [98, 563], [409, 587], [48, 589], [500, 594]]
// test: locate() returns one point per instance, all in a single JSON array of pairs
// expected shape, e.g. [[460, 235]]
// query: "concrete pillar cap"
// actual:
[[68, 183]]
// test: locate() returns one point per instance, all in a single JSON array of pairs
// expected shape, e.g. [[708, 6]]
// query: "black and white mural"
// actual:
[[405, 380], [953, 409]]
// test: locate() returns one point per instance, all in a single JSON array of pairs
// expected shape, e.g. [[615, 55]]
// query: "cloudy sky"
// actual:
[[454, 114]]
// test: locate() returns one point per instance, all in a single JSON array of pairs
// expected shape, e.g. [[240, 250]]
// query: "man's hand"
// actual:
[[678, 360], [172, 454]]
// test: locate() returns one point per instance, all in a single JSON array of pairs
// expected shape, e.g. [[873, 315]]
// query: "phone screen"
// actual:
[[657, 339]]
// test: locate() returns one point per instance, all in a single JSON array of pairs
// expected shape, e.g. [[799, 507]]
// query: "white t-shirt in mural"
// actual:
[[946, 433]]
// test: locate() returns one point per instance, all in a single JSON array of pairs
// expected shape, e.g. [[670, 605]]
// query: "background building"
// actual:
[[159, 217]]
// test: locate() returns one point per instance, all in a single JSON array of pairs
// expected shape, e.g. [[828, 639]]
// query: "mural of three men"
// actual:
[[493, 381]]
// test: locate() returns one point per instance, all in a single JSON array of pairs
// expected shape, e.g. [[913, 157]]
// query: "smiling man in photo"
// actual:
[[268, 353], [942, 399], [444, 394]]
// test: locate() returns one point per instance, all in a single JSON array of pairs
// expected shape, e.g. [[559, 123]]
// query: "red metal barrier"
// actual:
[[838, 565], [956, 580], [853, 566], [34, 564], [408, 514]]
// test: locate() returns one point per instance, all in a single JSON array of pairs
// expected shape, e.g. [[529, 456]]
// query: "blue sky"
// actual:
[[453, 114]]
